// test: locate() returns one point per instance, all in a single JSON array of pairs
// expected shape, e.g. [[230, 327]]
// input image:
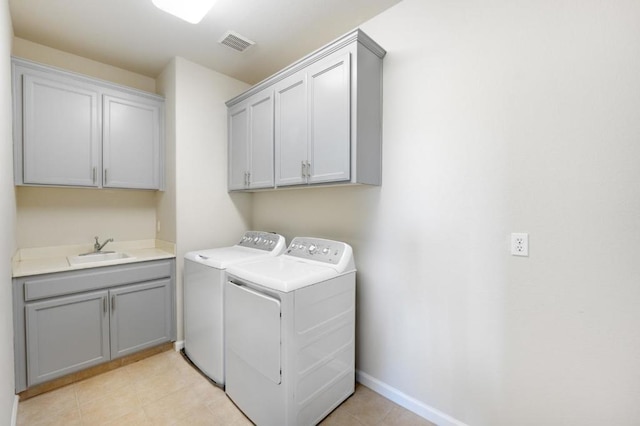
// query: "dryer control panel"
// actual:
[[261, 240], [321, 250]]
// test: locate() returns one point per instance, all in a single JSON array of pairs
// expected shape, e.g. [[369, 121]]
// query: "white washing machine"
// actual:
[[290, 333], [204, 278]]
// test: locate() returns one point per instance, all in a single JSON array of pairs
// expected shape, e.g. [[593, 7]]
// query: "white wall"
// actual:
[[60, 216], [166, 200], [499, 117], [206, 215], [44, 54], [7, 220]]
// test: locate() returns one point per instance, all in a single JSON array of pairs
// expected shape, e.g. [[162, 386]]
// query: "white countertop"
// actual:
[[44, 260]]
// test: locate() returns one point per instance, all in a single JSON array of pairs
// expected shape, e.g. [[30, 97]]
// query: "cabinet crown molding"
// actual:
[[356, 35]]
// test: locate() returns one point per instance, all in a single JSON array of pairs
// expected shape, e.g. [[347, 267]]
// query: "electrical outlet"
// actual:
[[520, 244]]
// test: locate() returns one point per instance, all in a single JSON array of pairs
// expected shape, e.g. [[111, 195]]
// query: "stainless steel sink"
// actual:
[[102, 257]]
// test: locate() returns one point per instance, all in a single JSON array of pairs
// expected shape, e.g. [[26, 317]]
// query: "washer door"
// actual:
[[253, 329]]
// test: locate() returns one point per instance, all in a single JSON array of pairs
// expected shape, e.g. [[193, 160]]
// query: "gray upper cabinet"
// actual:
[[61, 139], [328, 110], [327, 115], [72, 130], [131, 142], [250, 126], [291, 130]]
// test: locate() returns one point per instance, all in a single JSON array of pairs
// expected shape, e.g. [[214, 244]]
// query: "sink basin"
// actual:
[[97, 258]]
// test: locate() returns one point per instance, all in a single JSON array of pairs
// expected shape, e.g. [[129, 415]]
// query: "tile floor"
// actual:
[[165, 390]]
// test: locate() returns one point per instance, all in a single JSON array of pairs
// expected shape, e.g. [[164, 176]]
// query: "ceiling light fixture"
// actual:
[[190, 10]]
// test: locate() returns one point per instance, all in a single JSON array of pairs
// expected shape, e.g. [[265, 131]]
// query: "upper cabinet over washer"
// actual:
[[72, 130], [326, 123]]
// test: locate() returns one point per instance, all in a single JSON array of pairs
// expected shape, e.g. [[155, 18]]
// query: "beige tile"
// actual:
[[172, 407], [225, 412], [134, 418], [403, 417], [242, 421], [151, 366], [367, 406], [69, 416], [99, 386], [113, 405], [173, 355], [166, 390], [207, 392], [198, 416], [340, 418], [60, 401], [155, 387], [189, 373]]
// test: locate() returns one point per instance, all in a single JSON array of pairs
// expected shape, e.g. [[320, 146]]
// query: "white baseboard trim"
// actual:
[[178, 345], [423, 410], [14, 413]]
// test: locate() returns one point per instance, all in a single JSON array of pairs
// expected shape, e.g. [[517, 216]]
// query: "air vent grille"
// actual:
[[236, 41]]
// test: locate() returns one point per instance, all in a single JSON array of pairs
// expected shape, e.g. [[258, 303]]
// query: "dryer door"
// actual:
[[253, 329]]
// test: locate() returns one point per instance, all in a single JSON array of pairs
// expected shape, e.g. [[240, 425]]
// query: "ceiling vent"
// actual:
[[236, 41]]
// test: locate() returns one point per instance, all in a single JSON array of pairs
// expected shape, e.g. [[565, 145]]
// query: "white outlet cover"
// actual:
[[520, 244]]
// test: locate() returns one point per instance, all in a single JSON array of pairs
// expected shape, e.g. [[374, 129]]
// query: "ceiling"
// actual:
[[135, 35]]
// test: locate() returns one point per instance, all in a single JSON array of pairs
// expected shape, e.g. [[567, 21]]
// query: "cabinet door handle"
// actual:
[[113, 303], [94, 175], [104, 305], [248, 179], [105, 176], [302, 169], [308, 169]]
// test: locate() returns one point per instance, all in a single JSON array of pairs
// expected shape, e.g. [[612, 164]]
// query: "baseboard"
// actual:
[[423, 410], [14, 413], [178, 345]]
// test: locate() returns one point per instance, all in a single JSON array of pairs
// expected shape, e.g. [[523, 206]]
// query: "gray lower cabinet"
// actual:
[[139, 317], [68, 321], [66, 334]]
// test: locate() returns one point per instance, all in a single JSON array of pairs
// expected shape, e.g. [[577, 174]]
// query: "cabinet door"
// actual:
[[140, 317], [261, 140], [131, 142], [291, 131], [238, 146], [329, 119], [65, 335], [61, 139]]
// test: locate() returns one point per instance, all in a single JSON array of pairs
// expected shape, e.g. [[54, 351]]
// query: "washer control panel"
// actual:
[[318, 249], [261, 240]]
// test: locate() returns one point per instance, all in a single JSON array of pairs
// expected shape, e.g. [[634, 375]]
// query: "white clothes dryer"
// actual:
[[204, 278], [290, 333]]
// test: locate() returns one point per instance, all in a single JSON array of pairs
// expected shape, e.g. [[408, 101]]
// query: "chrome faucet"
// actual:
[[97, 247]]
